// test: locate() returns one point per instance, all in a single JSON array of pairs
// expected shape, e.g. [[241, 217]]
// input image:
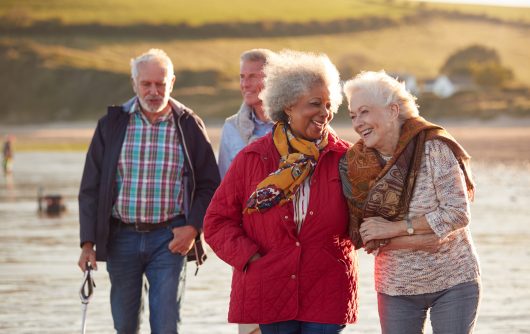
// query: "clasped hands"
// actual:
[[375, 233]]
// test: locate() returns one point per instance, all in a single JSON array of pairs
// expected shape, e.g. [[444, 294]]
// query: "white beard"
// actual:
[[151, 108]]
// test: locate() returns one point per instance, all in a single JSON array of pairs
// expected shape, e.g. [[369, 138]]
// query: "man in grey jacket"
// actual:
[[250, 122], [149, 176]]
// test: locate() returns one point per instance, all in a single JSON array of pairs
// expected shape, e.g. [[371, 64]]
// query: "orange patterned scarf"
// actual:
[[385, 190], [298, 159]]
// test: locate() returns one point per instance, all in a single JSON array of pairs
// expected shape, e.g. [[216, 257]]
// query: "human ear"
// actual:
[[133, 86], [394, 110], [172, 83], [288, 112]]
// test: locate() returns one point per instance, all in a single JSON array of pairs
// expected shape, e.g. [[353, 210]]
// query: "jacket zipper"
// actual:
[[189, 161]]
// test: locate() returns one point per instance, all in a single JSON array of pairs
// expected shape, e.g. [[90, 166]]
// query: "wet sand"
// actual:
[[39, 280], [501, 140]]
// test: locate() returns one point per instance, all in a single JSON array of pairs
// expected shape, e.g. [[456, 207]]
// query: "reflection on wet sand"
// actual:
[[39, 279]]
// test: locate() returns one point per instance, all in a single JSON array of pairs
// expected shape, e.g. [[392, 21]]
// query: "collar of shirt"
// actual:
[[258, 121], [261, 128], [135, 108]]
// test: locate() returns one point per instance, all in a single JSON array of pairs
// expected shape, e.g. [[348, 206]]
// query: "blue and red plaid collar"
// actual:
[[136, 109]]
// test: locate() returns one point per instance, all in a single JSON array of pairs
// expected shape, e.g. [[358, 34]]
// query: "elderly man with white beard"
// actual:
[[149, 175]]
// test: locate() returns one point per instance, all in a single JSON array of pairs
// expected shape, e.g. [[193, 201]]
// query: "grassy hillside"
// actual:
[[417, 48], [126, 12], [511, 14], [63, 75]]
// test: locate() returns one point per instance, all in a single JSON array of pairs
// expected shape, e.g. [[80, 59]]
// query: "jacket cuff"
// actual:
[[198, 227]]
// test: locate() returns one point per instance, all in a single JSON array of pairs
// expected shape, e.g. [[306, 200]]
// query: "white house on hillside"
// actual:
[[444, 86], [441, 86]]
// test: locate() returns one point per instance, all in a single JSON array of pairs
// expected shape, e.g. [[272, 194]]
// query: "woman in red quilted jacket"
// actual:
[[279, 217]]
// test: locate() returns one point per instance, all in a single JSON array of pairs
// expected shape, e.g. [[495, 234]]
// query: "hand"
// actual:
[[88, 256], [372, 245], [254, 258], [430, 243], [183, 239], [377, 228]]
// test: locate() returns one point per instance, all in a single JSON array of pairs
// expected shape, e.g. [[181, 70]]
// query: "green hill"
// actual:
[[67, 60], [128, 12]]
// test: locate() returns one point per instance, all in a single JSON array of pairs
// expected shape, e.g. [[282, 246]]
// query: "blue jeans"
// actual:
[[453, 311], [300, 327], [133, 254]]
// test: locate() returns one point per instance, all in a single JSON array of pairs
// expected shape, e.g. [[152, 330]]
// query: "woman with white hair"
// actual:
[[409, 185], [279, 217]]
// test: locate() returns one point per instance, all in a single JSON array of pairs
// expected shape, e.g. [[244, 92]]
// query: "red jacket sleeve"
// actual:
[[223, 223]]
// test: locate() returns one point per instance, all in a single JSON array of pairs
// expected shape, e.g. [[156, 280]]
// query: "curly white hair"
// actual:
[[291, 74]]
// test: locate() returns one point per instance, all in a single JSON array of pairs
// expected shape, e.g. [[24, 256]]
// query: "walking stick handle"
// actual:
[[85, 293], [87, 287]]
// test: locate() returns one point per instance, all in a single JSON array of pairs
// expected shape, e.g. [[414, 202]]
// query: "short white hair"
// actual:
[[156, 55], [384, 90], [262, 55], [291, 74]]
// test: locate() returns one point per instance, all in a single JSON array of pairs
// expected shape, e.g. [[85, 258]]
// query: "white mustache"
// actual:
[[153, 99]]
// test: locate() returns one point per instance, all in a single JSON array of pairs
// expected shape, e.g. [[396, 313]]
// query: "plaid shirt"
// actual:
[[149, 175]]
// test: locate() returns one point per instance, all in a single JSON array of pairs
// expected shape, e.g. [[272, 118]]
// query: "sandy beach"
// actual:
[[39, 279], [501, 139]]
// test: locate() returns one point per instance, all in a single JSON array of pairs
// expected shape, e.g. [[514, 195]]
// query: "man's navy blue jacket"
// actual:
[[97, 193]]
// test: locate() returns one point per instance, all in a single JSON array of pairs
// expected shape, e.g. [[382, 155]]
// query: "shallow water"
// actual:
[[39, 278]]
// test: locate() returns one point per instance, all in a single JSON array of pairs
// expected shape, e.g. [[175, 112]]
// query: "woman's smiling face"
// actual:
[[310, 115], [373, 122]]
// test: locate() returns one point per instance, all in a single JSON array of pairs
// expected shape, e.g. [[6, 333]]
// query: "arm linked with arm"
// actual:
[[426, 242]]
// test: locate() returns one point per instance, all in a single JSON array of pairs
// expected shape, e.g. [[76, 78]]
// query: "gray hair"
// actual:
[[384, 90], [291, 74], [262, 55], [157, 55]]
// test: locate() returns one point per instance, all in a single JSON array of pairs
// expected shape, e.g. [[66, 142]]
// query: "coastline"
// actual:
[[501, 139]]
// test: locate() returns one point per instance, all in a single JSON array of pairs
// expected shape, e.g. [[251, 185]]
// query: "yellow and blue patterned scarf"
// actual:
[[298, 159]]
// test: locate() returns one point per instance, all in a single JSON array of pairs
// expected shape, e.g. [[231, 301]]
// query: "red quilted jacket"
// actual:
[[310, 276]]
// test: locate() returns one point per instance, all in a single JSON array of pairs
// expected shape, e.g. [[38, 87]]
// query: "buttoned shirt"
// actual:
[[150, 168]]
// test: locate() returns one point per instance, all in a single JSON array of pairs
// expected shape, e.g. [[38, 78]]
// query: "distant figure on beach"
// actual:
[[409, 187], [8, 153], [250, 122], [279, 217], [149, 175]]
